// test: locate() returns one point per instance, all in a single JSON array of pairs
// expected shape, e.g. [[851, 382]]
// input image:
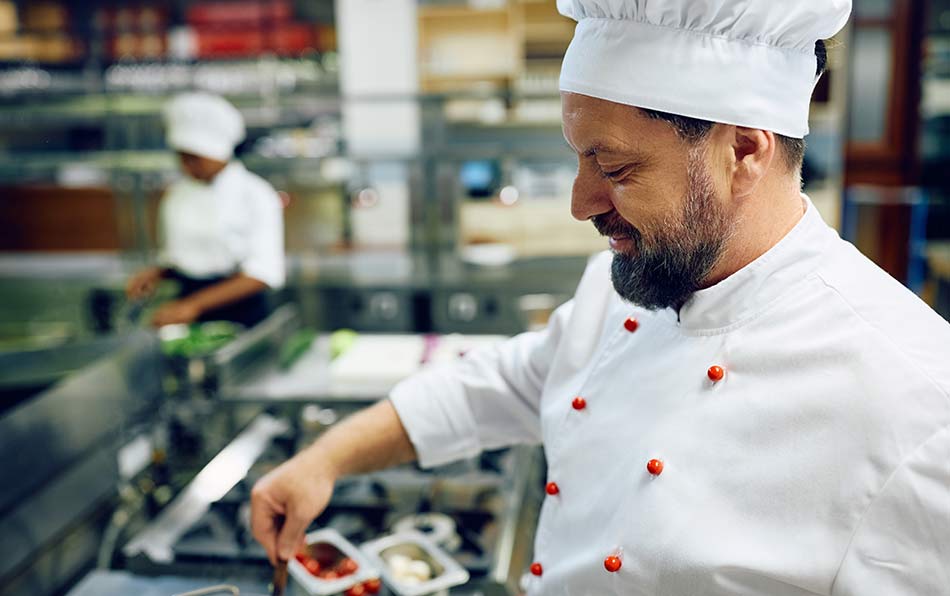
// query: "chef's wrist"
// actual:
[[322, 463], [198, 302], [156, 273]]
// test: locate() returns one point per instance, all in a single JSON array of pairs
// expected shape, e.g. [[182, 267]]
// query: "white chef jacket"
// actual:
[[819, 464], [234, 224]]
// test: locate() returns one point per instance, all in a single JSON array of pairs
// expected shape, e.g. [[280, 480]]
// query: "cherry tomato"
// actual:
[[329, 575], [312, 566], [357, 590], [301, 558], [347, 567], [373, 586]]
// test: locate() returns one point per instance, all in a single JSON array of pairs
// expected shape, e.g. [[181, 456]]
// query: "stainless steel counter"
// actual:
[[123, 583], [59, 454]]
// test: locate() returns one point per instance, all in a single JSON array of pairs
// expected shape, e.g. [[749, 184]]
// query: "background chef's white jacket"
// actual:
[[820, 463], [234, 224]]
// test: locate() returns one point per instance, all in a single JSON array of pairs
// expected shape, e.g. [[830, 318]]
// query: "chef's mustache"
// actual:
[[613, 226]]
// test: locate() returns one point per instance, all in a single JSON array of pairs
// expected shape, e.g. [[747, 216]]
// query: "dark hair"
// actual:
[[695, 129]]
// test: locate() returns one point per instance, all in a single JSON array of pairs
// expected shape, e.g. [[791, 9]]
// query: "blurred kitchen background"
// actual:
[[417, 149]]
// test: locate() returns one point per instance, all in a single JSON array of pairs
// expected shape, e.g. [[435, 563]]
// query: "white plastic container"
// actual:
[[445, 571], [331, 544]]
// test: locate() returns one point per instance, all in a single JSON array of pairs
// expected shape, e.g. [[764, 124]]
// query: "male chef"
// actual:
[[736, 402]]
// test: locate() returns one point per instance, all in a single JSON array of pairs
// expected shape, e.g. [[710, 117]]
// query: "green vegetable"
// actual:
[[202, 339], [341, 341], [295, 347]]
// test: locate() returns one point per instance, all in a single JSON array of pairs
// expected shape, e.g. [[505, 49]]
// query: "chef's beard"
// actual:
[[682, 250]]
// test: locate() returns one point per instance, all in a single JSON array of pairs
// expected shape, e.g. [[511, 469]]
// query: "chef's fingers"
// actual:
[[140, 286], [291, 534], [135, 288], [264, 525], [160, 318]]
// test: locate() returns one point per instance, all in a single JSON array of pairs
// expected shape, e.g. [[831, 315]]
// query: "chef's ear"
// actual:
[[752, 151]]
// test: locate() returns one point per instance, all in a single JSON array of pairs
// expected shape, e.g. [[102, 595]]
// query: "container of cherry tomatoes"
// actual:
[[330, 565]]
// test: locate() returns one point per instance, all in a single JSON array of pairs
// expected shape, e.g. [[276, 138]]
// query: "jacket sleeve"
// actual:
[[265, 257], [487, 400], [491, 398], [163, 256], [902, 545]]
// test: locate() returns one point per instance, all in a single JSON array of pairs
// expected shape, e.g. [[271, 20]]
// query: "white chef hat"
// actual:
[[203, 124], [744, 62]]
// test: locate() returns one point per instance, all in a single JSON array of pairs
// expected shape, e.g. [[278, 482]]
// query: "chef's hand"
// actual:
[[143, 284], [176, 311], [285, 501]]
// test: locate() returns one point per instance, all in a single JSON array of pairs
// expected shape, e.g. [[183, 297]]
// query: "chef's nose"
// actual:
[[590, 195]]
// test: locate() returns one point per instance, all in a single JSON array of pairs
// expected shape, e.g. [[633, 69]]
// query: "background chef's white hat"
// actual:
[[203, 124], [745, 62]]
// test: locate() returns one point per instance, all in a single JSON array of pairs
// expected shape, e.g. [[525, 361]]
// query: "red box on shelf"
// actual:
[[292, 39], [238, 13], [229, 43]]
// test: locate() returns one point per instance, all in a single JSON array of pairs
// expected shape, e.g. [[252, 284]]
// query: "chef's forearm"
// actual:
[[372, 439], [226, 292]]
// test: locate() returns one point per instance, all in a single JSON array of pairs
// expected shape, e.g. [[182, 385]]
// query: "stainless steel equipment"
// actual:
[[198, 533], [238, 360], [26, 370], [59, 453], [492, 499]]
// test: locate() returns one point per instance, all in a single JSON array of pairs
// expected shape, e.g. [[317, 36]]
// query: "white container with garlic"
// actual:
[[413, 565]]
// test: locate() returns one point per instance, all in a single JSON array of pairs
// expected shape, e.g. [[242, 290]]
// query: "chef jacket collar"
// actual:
[[745, 294], [232, 170]]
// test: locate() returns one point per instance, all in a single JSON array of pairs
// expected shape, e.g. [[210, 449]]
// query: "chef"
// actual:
[[221, 227], [736, 402]]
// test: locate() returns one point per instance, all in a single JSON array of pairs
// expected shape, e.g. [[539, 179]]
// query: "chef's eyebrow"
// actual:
[[602, 147], [596, 148]]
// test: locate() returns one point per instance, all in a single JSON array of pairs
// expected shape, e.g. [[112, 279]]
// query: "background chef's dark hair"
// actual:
[[695, 129]]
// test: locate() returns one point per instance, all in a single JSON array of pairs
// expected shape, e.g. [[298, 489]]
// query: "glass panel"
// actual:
[[870, 84]]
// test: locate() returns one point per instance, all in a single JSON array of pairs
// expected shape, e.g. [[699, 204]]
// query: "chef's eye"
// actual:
[[613, 174]]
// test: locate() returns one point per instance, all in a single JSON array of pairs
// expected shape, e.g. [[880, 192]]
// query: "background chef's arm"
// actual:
[[193, 306], [226, 292], [142, 285], [902, 545]]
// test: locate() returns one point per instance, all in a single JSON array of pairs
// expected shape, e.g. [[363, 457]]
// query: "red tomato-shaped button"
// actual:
[[373, 586], [552, 488], [655, 467], [631, 324], [715, 373], [613, 564], [536, 569], [579, 403], [347, 567], [357, 590]]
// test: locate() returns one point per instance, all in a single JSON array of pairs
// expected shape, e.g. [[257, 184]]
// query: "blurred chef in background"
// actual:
[[220, 227]]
